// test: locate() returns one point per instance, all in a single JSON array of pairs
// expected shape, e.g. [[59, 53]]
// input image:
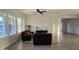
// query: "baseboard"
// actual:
[[8, 45], [73, 34]]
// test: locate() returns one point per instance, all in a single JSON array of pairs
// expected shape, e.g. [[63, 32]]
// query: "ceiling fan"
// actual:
[[40, 11]]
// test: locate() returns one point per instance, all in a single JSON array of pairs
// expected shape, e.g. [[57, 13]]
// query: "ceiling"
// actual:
[[51, 11]]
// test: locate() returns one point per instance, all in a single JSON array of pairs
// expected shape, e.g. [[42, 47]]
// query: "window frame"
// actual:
[[13, 25], [21, 24]]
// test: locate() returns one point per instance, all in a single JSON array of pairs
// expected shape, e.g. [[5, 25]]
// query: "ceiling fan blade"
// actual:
[[43, 11]]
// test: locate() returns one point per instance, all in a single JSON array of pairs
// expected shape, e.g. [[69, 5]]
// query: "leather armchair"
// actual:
[[26, 36]]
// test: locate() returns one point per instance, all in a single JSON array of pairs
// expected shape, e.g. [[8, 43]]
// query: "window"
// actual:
[[11, 25], [2, 27], [21, 24], [8, 25]]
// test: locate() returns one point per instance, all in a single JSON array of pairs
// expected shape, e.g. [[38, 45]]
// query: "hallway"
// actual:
[[70, 42]]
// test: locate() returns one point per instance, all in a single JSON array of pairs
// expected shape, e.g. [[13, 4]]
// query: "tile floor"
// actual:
[[70, 42]]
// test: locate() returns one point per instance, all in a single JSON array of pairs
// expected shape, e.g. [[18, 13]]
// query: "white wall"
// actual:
[[73, 26], [6, 41], [42, 21]]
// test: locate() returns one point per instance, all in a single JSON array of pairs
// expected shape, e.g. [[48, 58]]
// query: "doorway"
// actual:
[[70, 32], [70, 26]]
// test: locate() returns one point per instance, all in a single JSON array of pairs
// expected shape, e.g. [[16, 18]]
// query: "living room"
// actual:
[[50, 20], [39, 29]]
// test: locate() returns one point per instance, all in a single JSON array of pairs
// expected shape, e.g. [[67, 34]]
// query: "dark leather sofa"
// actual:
[[42, 39], [39, 38]]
